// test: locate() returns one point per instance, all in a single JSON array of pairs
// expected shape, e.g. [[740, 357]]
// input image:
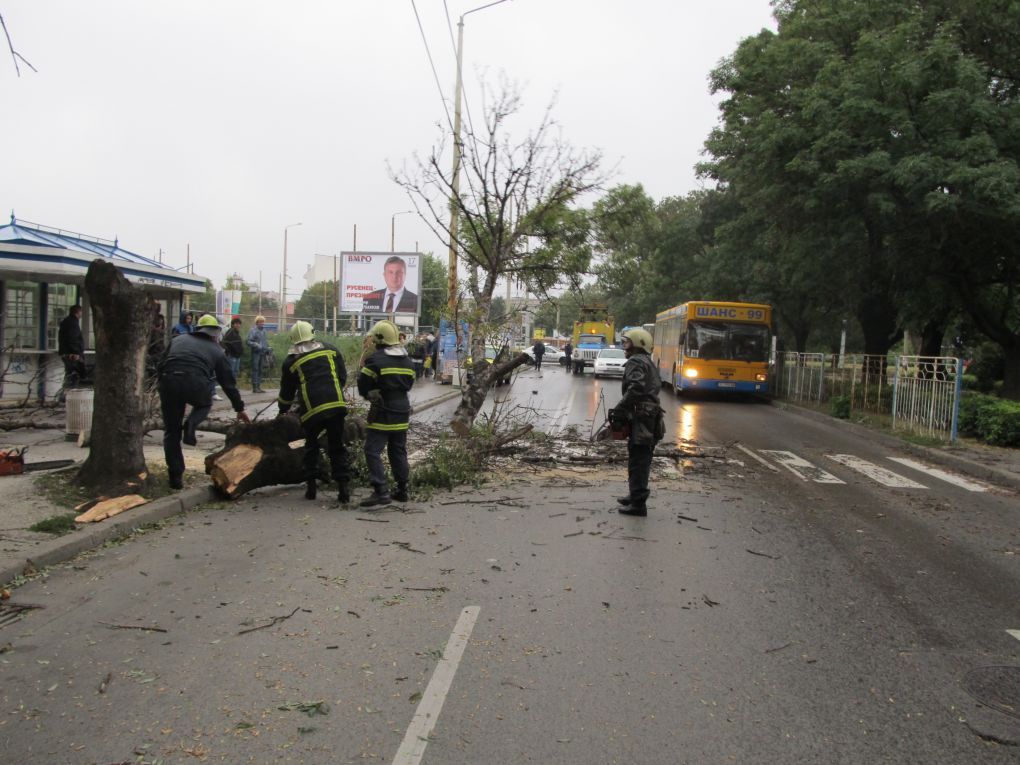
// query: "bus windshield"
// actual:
[[729, 341]]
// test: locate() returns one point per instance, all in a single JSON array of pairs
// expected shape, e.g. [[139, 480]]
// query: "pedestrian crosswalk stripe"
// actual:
[[751, 454], [801, 467], [875, 472], [956, 480]]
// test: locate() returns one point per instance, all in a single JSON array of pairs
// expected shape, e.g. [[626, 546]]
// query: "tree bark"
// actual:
[[122, 318], [474, 394], [267, 453]]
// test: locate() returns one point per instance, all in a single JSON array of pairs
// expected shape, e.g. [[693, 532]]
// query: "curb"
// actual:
[[51, 552], [947, 459], [440, 399]]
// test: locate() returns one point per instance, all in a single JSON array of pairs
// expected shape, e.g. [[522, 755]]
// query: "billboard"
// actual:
[[380, 282], [228, 304]]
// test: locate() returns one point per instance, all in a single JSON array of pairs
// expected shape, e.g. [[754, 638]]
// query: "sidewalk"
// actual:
[[25, 505]]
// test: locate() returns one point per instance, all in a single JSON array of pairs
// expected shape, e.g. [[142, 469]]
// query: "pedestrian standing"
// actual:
[[568, 353], [233, 346], [185, 325], [539, 351], [317, 370], [432, 352], [258, 341], [416, 350], [191, 361], [639, 409], [385, 380], [71, 348]]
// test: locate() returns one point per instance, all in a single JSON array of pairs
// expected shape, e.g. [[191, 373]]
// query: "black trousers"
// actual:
[[538, 360], [334, 427], [639, 468], [177, 390], [395, 443]]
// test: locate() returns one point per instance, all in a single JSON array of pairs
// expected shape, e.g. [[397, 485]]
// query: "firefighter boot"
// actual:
[[635, 508], [379, 497], [343, 495], [625, 501], [401, 493], [310, 489]]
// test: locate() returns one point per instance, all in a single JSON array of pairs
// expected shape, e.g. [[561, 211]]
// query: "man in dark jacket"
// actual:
[[539, 351], [71, 347], [191, 361], [317, 370], [385, 380], [639, 409], [233, 346]]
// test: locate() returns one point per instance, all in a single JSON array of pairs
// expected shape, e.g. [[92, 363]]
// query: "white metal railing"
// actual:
[[926, 394], [922, 393]]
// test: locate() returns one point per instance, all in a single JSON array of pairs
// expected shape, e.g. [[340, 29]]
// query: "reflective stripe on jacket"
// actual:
[[392, 375], [319, 376]]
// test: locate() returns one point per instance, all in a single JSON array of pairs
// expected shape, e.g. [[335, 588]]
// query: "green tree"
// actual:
[[434, 289], [203, 302], [320, 297]]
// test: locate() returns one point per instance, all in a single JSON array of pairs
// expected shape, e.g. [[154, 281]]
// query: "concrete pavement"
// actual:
[[22, 550]]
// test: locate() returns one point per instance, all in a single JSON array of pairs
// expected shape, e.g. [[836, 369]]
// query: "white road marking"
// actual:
[[1014, 633], [801, 467], [558, 426], [412, 749], [752, 455], [956, 480], [876, 473]]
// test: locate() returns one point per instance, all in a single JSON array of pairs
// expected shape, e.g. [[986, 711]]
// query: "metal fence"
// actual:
[[920, 393]]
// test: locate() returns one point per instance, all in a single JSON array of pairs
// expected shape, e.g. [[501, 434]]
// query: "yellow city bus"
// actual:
[[706, 345]]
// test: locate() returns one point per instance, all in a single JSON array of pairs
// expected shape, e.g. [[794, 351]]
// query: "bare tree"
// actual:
[[15, 56], [513, 190]]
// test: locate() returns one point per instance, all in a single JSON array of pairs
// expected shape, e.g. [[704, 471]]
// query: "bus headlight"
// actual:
[[690, 372], [761, 377]]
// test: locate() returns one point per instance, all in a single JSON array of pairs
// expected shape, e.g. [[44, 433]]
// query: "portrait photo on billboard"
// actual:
[[375, 282]]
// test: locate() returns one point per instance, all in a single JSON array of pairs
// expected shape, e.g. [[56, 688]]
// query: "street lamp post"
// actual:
[[283, 278], [393, 228], [455, 179]]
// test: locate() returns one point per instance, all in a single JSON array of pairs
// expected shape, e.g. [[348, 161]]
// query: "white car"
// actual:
[[610, 361], [552, 355]]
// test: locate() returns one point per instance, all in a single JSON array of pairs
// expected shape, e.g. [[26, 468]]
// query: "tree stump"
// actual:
[[267, 453]]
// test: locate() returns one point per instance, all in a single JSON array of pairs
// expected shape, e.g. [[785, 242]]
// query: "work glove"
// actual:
[[242, 416]]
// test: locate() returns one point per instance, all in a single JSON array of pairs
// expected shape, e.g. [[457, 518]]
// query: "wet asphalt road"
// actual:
[[755, 616]]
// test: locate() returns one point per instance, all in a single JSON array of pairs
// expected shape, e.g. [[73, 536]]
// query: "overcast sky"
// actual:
[[216, 123]]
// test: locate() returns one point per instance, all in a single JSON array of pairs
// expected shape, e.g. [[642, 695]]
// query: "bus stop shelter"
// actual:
[[42, 274]]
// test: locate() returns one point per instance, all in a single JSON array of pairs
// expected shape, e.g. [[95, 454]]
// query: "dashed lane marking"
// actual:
[[956, 480], [412, 749], [752, 455], [1014, 633], [801, 468], [875, 472]]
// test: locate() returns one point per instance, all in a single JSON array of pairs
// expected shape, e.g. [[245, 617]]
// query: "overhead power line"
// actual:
[[432, 63]]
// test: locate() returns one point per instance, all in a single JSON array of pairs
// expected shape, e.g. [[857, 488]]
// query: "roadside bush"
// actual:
[[988, 365], [970, 382], [989, 419], [839, 406]]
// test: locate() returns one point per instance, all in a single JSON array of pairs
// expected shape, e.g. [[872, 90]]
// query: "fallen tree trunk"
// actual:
[[267, 453]]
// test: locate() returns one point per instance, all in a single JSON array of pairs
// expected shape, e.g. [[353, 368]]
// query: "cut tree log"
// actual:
[[110, 507], [267, 453]]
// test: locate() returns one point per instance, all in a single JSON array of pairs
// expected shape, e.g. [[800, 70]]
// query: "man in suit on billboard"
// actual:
[[393, 298]]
